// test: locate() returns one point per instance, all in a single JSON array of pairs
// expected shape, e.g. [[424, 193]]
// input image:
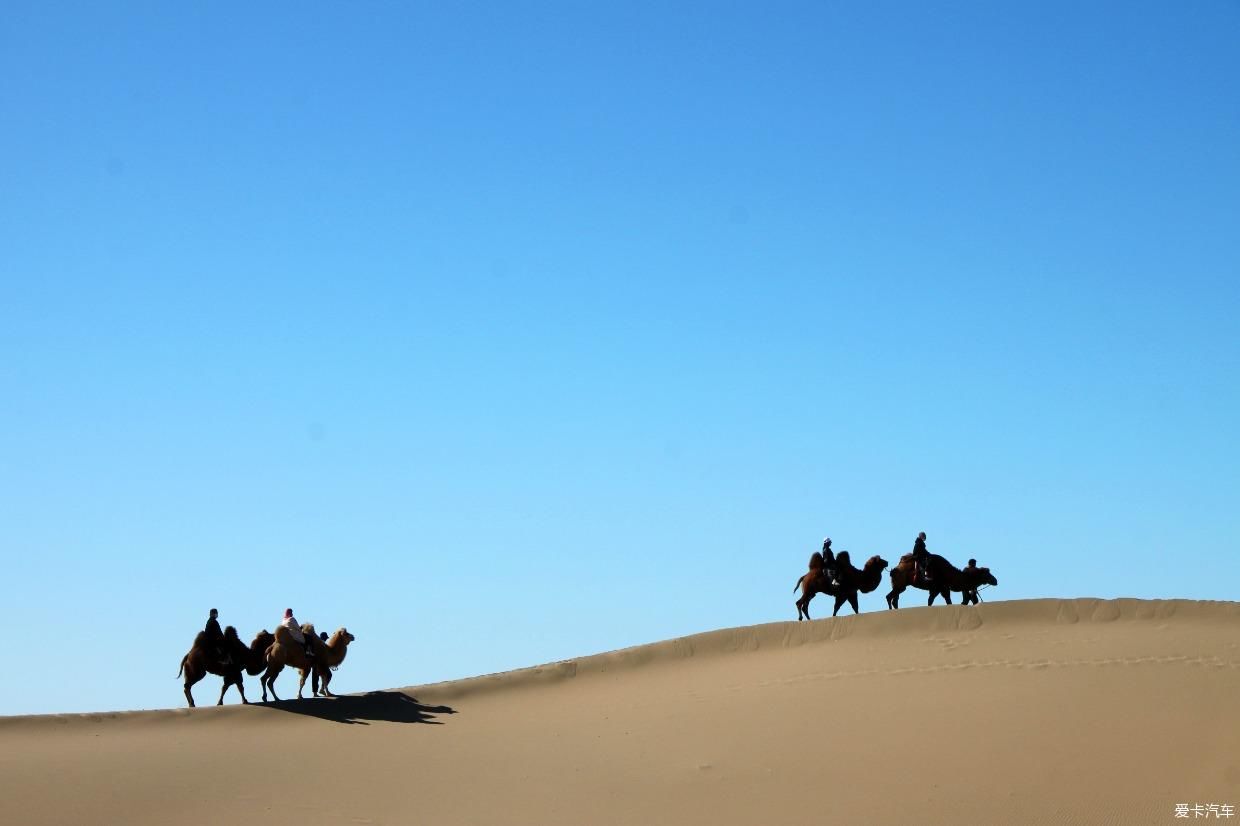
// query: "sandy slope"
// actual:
[[1045, 711]]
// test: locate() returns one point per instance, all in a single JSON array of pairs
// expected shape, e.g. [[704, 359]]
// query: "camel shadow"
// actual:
[[361, 709]]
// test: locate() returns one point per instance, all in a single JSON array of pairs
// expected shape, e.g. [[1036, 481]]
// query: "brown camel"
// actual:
[[810, 583], [285, 652], [202, 660], [850, 582], [944, 578], [337, 648]]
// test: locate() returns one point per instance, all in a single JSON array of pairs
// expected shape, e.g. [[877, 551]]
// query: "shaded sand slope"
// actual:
[[1043, 711]]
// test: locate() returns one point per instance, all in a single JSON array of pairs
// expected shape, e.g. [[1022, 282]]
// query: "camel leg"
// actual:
[[947, 597], [190, 678], [301, 683], [239, 682], [269, 681], [893, 600], [852, 600], [839, 600], [327, 678]]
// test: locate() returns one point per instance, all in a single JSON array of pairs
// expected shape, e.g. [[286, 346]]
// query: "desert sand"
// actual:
[[1041, 711]]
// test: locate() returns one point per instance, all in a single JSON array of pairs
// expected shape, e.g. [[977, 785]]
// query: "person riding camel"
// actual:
[[922, 557], [828, 562], [294, 630], [215, 638]]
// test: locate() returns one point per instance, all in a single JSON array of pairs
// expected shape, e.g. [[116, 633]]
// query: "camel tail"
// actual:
[[181, 670], [798, 585]]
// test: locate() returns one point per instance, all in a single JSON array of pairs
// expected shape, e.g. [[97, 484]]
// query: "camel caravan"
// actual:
[[292, 645], [836, 576]]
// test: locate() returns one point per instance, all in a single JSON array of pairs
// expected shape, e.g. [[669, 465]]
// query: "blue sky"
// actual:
[[509, 333]]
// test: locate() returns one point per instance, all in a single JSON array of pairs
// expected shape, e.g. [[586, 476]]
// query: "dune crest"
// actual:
[[1065, 711]]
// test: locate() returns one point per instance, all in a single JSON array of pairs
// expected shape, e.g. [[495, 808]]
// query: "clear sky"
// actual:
[[505, 333]]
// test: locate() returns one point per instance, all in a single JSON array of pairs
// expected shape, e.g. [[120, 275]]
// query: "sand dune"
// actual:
[[1043, 711]]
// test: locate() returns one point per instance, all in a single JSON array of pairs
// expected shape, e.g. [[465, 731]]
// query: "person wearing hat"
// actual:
[[294, 630], [215, 637], [828, 562], [921, 556]]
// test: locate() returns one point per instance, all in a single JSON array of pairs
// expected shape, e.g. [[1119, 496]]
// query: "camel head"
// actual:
[[875, 563], [981, 576], [341, 637]]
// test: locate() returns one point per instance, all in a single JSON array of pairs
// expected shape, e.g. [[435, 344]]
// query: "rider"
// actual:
[[921, 556], [215, 638], [294, 630], [828, 561]]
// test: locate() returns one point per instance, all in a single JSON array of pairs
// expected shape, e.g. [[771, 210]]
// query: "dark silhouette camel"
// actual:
[[203, 660], [944, 578]]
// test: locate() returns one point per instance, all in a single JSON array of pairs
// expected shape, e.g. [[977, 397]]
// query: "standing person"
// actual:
[[215, 638], [294, 630], [921, 556], [970, 596]]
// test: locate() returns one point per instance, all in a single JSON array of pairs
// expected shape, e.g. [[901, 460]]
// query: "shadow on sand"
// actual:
[[383, 706]]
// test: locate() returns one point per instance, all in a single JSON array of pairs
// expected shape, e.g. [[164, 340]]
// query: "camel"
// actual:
[[201, 660], [285, 652], [809, 584], [944, 578], [851, 582], [337, 648]]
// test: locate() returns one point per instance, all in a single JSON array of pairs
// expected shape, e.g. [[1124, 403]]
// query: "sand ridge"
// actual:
[[1035, 711]]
